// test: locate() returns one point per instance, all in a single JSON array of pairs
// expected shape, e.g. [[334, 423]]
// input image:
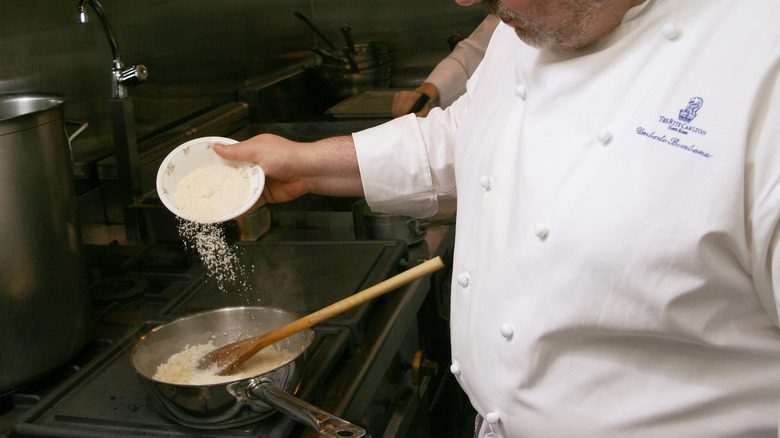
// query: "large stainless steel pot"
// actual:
[[238, 402], [45, 311]]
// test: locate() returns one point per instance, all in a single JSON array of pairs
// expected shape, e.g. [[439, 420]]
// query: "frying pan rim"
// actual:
[[309, 333]]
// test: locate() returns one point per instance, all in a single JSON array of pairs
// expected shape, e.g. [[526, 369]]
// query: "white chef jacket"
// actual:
[[451, 73], [616, 253]]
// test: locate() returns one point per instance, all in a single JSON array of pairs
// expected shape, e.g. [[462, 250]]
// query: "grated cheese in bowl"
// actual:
[[196, 184], [212, 192]]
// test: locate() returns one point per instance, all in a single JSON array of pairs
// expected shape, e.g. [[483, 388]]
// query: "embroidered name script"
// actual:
[[672, 141], [680, 126]]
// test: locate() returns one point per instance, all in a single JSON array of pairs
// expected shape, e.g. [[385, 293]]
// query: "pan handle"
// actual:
[[81, 127], [417, 227], [305, 413]]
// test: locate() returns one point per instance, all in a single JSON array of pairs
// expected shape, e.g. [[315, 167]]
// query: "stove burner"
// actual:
[[118, 289]]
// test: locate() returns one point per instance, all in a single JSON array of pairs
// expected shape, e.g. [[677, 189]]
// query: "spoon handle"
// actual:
[[355, 300]]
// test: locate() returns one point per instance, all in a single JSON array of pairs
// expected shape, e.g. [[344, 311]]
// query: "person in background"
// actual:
[[447, 81], [616, 164]]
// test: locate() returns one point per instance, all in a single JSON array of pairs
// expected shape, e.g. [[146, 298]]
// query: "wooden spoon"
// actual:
[[225, 359]]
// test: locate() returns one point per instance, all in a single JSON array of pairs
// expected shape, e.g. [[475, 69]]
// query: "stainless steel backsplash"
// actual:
[[198, 52]]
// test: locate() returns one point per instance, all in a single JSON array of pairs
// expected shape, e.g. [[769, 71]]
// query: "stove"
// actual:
[[137, 288], [105, 399]]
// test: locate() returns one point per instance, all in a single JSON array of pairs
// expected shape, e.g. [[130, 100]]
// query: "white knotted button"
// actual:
[[492, 417], [670, 31], [506, 330], [486, 181], [542, 231], [464, 279], [603, 135], [521, 91], [455, 369]]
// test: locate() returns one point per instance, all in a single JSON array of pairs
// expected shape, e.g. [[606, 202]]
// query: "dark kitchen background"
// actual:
[[232, 68], [199, 54]]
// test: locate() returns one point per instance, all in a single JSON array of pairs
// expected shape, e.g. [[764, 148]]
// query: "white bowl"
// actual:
[[196, 154]]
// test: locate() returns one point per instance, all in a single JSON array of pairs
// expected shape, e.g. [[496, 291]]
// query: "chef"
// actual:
[[617, 169], [447, 81]]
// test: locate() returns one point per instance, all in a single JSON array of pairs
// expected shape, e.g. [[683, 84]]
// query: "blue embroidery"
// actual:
[[688, 113], [672, 141], [680, 127]]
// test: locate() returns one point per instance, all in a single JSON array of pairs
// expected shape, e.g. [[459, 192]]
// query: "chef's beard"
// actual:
[[568, 33]]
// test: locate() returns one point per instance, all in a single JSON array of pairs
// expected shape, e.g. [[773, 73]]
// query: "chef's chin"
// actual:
[[564, 41], [531, 33], [534, 39]]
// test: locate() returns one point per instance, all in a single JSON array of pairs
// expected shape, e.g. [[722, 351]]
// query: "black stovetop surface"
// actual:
[[98, 394], [106, 399]]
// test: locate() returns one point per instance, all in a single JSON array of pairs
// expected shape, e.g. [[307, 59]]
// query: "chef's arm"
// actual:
[[405, 164], [404, 101], [448, 79], [292, 169], [451, 74]]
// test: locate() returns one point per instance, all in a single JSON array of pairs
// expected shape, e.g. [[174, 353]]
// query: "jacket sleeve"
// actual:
[[407, 164], [451, 74]]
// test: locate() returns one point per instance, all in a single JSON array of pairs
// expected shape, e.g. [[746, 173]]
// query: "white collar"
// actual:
[[636, 10]]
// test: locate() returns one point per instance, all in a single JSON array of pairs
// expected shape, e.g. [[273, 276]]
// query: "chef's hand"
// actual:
[[292, 169], [404, 100]]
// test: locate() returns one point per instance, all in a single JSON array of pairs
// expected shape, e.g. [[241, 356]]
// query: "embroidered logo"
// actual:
[[688, 113], [677, 129]]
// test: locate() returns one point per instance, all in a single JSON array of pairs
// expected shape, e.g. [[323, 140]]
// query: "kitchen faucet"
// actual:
[[121, 76], [123, 124]]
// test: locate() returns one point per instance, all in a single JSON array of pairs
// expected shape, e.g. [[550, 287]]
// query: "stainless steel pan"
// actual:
[[238, 402], [381, 226]]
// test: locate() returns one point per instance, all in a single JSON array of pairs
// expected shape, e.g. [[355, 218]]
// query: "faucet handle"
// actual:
[[135, 74]]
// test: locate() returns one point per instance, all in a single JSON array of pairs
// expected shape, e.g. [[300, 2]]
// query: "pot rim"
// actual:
[[139, 343], [34, 109]]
